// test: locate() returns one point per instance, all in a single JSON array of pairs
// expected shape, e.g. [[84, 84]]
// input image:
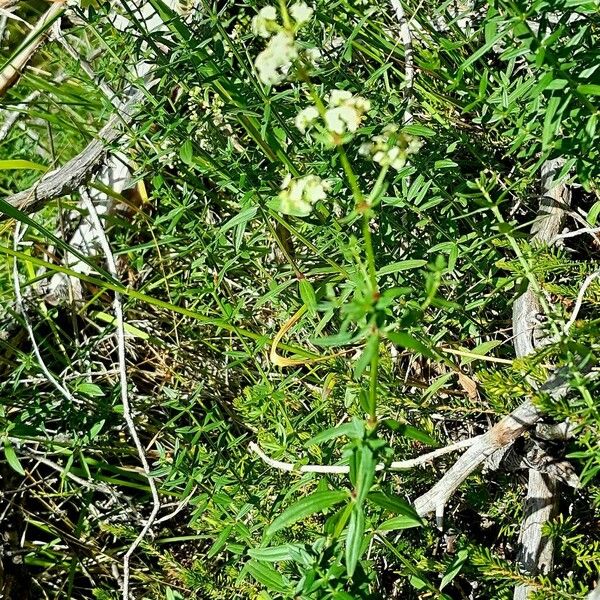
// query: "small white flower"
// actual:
[[286, 181], [275, 60], [301, 12], [306, 117], [342, 118], [345, 112], [391, 148], [338, 97], [315, 189], [313, 55], [361, 104], [265, 22], [298, 196]]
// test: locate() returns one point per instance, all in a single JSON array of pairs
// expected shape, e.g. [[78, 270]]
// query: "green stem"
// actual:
[[350, 175], [373, 377], [285, 16], [366, 228]]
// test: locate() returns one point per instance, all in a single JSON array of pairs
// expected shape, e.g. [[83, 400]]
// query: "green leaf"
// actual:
[[12, 459], [273, 553], [269, 577], [419, 130], [490, 42], [339, 520], [410, 431], [370, 349], [481, 350], [355, 538], [593, 213], [130, 329], [353, 430], [317, 502], [96, 428], [550, 124], [364, 465], [339, 339], [241, 218], [446, 163], [405, 340], [307, 293], [90, 389], [220, 541], [395, 504], [402, 522], [417, 582], [590, 89], [403, 265], [6, 165], [186, 152], [454, 568]]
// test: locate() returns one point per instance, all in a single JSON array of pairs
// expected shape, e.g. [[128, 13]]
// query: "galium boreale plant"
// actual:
[[333, 119]]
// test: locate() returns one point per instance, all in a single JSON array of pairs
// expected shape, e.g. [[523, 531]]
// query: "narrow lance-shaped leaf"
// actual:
[[269, 577], [355, 538], [317, 502]]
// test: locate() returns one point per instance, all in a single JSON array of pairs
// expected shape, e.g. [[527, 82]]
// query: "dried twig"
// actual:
[[399, 465], [180, 506], [409, 66], [80, 168], [21, 308], [501, 435], [84, 483], [569, 234], [580, 296], [118, 308]]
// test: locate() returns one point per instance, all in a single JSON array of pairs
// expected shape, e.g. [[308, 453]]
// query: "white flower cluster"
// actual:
[[391, 148], [298, 196], [344, 113], [265, 22], [306, 117], [275, 61], [301, 13]]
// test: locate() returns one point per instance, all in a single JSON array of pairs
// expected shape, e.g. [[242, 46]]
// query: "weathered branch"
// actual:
[[541, 504], [536, 551], [551, 214], [595, 593], [501, 435], [80, 168]]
